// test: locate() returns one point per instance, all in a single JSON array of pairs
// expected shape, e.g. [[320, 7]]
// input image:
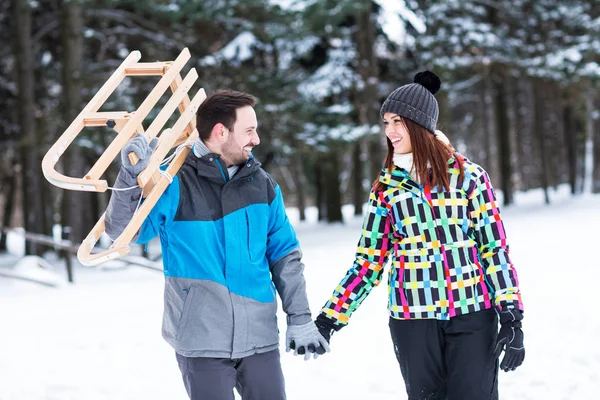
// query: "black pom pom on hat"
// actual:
[[428, 79]]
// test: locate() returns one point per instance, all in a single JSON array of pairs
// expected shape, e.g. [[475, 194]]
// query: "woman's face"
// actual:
[[396, 131]]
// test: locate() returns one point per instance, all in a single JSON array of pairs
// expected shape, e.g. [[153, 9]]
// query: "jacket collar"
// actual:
[[212, 167], [399, 177]]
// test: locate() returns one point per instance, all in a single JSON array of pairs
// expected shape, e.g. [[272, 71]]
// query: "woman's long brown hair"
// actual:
[[426, 149]]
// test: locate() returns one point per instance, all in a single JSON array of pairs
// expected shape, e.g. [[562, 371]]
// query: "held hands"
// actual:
[[510, 339], [142, 149], [306, 339]]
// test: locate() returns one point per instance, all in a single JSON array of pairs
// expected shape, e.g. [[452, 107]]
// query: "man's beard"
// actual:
[[234, 154]]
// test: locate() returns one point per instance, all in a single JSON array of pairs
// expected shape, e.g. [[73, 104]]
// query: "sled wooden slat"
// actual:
[[166, 143], [148, 69], [172, 104], [127, 124], [140, 114], [102, 118], [179, 100], [56, 151], [186, 101], [182, 106]]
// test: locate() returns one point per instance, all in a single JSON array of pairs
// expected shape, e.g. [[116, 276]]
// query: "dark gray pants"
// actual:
[[256, 377], [448, 360]]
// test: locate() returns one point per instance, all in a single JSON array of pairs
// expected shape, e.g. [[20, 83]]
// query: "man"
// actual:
[[227, 245]]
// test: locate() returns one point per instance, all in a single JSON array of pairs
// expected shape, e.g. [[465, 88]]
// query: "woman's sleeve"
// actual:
[[490, 236], [371, 256]]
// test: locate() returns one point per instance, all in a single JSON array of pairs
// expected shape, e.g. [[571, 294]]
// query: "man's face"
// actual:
[[244, 136]]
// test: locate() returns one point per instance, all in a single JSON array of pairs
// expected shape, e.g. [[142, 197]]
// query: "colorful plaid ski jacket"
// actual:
[[448, 250]]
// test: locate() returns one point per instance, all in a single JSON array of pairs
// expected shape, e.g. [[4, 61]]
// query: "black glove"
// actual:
[[326, 328], [510, 339]]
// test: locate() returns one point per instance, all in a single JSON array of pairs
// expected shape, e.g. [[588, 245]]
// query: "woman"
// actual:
[[435, 215]]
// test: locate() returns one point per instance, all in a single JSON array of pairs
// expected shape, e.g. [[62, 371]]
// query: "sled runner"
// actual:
[[152, 180]]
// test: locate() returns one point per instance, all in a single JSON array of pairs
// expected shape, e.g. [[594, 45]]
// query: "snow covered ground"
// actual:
[[100, 338]]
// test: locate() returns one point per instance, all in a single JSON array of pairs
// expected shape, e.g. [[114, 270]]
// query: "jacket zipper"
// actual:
[[221, 169], [442, 247]]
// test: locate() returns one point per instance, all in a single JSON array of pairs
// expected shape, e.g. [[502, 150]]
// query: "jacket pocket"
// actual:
[[206, 320], [175, 298], [193, 300]]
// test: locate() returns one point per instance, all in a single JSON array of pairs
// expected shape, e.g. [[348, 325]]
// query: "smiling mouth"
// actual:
[[394, 141]]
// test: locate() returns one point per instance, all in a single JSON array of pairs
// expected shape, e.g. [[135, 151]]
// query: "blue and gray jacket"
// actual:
[[227, 247]]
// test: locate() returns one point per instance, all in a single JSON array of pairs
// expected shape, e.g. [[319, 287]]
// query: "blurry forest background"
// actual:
[[520, 92]]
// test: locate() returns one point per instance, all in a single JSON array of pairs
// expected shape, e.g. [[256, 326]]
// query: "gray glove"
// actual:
[[122, 204], [138, 145], [303, 336]]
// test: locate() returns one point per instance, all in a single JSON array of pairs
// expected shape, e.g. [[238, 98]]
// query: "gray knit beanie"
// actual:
[[415, 101]]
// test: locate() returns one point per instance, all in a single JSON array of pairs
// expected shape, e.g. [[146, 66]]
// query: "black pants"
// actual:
[[448, 360], [256, 377]]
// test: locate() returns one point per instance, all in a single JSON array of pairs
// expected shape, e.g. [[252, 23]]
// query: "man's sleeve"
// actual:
[[123, 204], [490, 236], [284, 255]]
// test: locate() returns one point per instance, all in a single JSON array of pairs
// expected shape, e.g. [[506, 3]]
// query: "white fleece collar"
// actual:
[[404, 161]]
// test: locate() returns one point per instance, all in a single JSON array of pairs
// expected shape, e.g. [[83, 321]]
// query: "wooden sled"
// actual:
[[127, 124]]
